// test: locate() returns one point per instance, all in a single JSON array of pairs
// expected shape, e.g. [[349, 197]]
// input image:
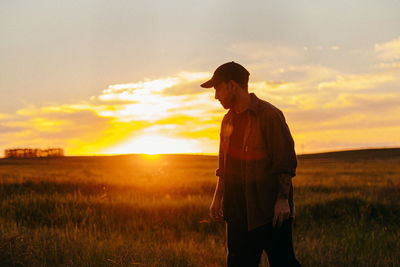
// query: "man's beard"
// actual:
[[229, 104]]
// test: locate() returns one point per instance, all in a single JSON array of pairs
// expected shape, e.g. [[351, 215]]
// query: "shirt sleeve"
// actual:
[[219, 172], [281, 144]]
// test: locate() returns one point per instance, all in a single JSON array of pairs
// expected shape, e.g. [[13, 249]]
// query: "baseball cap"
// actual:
[[226, 72]]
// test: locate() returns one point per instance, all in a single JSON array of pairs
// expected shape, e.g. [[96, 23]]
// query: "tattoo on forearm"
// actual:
[[285, 181]]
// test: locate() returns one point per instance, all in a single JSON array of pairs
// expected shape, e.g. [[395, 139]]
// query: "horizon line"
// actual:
[[216, 154]]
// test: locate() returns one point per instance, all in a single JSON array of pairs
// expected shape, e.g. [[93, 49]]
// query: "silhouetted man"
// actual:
[[257, 161]]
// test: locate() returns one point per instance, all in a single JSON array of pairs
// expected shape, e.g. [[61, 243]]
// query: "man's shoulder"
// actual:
[[264, 108], [228, 115]]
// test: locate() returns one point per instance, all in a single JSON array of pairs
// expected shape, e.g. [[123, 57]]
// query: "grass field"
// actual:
[[153, 211]]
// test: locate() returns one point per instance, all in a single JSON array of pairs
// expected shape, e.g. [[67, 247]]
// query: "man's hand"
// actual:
[[281, 212], [216, 210]]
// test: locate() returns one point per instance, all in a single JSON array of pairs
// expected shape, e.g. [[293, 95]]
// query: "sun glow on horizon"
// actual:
[[153, 145]]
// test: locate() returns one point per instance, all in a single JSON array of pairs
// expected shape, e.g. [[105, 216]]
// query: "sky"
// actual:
[[110, 77]]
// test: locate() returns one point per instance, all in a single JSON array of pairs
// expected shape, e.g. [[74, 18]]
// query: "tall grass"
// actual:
[[139, 211]]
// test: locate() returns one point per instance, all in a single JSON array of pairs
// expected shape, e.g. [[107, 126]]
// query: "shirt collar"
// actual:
[[253, 103]]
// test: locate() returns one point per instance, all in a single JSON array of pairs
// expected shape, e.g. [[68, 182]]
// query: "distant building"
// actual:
[[33, 153]]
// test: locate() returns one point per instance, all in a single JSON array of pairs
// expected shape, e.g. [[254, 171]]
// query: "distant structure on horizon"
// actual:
[[33, 153]]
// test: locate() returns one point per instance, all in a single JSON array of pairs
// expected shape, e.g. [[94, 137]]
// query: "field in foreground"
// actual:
[[153, 211]]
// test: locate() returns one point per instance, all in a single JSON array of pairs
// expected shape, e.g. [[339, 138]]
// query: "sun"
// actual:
[[155, 144]]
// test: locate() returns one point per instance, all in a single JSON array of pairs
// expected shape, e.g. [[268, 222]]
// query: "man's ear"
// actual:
[[234, 85], [229, 85]]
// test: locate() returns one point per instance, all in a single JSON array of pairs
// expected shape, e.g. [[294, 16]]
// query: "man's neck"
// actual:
[[242, 102]]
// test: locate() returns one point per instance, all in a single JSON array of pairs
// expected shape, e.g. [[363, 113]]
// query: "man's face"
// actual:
[[225, 94]]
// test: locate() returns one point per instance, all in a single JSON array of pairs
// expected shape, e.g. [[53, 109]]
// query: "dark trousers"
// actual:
[[245, 247]]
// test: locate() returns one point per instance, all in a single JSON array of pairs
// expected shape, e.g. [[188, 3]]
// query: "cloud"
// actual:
[[4, 117], [188, 86], [337, 119], [388, 51], [325, 107], [304, 73], [6, 128], [263, 57], [330, 140], [152, 100], [119, 114], [136, 91], [358, 81], [45, 127], [391, 65]]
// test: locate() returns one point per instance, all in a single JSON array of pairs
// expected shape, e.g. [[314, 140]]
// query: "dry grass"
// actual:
[[153, 211]]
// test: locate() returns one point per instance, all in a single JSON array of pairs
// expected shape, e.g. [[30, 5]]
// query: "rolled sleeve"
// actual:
[[219, 172], [281, 145]]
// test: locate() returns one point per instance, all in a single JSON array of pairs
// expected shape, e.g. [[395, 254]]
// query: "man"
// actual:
[[257, 161]]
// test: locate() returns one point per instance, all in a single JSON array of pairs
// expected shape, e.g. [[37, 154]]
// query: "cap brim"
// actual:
[[208, 84]]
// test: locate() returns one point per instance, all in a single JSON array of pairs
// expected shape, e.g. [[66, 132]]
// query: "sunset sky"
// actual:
[[111, 77]]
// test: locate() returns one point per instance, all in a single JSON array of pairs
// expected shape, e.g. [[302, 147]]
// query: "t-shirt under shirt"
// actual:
[[234, 197]]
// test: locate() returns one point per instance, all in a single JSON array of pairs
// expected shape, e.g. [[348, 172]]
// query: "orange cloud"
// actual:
[[325, 108], [121, 114]]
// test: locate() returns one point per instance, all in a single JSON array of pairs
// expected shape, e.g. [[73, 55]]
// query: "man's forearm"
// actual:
[[219, 189], [285, 182]]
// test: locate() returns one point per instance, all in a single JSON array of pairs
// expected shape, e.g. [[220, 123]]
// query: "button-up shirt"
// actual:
[[234, 198], [268, 152]]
